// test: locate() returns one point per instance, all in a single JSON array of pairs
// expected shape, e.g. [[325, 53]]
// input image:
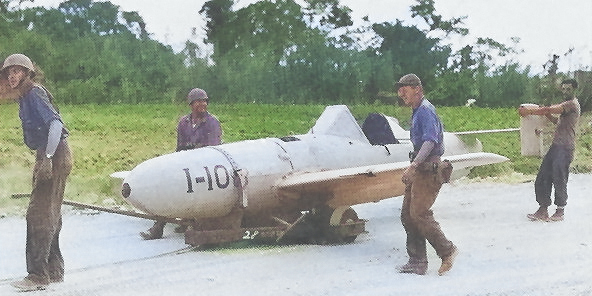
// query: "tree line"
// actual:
[[272, 51]]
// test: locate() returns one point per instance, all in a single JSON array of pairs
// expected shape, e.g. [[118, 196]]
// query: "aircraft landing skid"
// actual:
[[298, 232], [307, 229]]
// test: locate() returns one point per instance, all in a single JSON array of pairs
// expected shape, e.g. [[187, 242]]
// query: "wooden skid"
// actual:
[[207, 237], [261, 234]]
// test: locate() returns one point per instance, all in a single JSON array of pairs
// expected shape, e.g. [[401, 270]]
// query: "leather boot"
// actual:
[[155, 232], [27, 284], [448, 261], [414, 266]]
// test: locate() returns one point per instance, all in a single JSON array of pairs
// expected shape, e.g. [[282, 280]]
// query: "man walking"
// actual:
[[423, 179]]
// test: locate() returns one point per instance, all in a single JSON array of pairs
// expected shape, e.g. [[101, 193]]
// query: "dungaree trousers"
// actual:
[[45, 263], [553, 173], [417, 216]]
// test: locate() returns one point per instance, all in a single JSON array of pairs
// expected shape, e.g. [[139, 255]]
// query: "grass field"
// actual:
[[110, 138]]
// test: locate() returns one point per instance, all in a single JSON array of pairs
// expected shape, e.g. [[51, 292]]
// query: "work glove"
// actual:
[[44, 170]]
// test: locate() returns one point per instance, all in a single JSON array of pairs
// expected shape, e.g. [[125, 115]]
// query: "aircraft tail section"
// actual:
[[338, 121]]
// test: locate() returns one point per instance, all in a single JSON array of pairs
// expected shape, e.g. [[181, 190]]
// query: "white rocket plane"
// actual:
[[297, 187]]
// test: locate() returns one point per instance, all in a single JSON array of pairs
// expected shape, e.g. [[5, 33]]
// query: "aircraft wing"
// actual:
[[469, 160], [356, 185]]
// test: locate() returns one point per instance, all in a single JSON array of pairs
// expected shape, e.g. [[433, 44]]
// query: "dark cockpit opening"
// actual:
[[377, 130]]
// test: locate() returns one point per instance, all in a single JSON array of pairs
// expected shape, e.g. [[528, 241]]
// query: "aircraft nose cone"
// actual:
[[126, 190]]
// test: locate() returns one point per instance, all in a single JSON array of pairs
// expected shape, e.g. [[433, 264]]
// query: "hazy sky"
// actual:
[[545, 27]]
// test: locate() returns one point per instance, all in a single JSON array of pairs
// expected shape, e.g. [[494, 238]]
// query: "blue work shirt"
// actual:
[[36, 114], [426, 126]]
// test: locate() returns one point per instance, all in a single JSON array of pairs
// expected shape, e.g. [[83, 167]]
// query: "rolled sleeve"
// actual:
[[43, 107]]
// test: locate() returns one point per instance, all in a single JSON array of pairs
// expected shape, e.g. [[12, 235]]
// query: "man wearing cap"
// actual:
[[196, 129], [43, 131], [423, 179]]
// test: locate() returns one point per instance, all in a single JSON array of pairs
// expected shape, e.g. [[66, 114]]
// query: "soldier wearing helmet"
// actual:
[[199, 128], [44, 132], [7, 89], [196, 129], [18, 59]]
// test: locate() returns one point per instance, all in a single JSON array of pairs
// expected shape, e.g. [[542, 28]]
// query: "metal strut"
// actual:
[[289, 225]]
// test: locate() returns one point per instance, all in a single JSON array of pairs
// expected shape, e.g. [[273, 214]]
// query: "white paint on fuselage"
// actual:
[[199, 183]]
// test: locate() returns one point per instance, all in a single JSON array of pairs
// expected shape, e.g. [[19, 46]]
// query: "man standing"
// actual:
[[554, 170], [196, 129], [43, 131], [199, 128], [423, 179]]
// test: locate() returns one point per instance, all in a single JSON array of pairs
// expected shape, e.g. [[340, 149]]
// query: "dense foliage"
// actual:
[[272, 51]]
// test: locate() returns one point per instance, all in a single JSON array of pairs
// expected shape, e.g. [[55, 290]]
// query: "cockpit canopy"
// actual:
[[377, 129]]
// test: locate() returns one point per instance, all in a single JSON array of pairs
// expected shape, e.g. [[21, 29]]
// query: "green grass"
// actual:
[[109, 138]]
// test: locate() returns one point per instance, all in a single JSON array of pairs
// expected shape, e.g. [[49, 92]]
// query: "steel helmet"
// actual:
[[18, 59], [197, 94]]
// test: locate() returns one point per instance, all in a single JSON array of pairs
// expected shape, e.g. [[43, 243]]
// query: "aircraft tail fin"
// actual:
[[338, 121]]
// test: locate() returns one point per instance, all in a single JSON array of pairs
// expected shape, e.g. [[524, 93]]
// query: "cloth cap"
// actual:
[[196, 94], [408, 80]]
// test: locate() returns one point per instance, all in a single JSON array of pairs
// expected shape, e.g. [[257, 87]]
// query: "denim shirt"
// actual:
[[36, 114], [426, 126]]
